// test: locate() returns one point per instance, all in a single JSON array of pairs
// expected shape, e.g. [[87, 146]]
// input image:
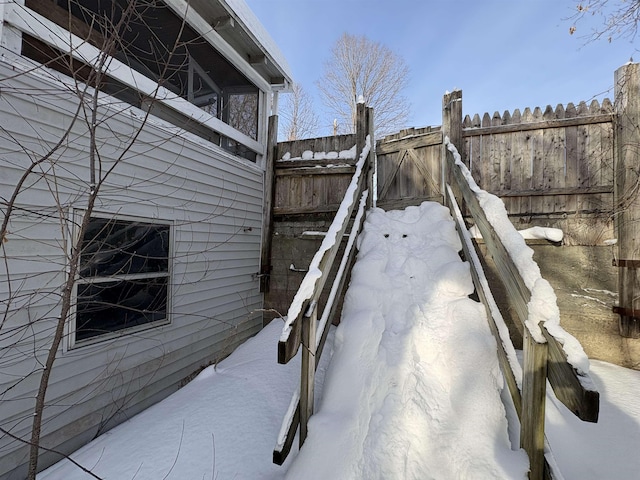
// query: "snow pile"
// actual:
[[413, 389], [220, 425], [542, 233], [534, 233], [607, 449], [542, 306], [310, 155]]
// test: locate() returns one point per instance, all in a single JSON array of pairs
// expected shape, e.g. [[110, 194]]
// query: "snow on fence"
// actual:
[[549, 351], [301, 323], [312, 175]]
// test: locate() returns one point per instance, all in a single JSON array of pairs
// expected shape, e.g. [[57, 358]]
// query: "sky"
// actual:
[[502, 54]]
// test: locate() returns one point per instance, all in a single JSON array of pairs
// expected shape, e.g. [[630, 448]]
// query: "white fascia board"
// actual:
[[260, 37], [184, 10], [36, 25]]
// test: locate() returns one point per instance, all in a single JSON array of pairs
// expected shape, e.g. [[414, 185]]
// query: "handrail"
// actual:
[[545, 345], [301, 324], [292, 417]]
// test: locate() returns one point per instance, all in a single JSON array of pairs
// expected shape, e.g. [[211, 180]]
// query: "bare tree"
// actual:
[[618, 19], [298, 116], [358, 68]]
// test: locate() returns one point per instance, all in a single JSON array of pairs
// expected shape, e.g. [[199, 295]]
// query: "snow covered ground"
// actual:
[[412, 390]]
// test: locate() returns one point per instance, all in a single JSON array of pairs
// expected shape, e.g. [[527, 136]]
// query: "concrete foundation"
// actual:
[[586, 285]]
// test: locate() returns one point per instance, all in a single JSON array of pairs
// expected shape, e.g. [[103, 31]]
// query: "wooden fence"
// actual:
[[552, 165], [409, 168], [551, 168], [312, 175]]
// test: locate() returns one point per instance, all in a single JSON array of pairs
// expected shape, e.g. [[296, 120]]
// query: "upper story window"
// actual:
[[152, 40]]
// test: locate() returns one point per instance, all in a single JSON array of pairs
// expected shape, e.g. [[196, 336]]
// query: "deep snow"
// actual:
[[412, 390]]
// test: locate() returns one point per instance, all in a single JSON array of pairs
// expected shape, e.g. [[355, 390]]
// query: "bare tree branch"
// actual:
[[618, 19], [299, 119], [358, 68]]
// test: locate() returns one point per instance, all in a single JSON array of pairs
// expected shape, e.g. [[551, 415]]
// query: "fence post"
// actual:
[[534, 384], [452, 128], [361, 127], [267, 208], [372, 166], [627, 197]]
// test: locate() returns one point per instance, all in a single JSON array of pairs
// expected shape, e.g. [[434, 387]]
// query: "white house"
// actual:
[[133, 136]]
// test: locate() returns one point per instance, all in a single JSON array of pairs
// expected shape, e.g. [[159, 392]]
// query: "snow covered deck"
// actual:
[[413, 389]]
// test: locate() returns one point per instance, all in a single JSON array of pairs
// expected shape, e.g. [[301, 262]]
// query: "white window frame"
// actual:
[[77, 216]]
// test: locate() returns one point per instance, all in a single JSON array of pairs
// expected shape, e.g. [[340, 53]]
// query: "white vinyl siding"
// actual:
[[213, 201]]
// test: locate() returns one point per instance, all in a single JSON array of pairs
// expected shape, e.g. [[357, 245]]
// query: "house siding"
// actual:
[[214, 203]]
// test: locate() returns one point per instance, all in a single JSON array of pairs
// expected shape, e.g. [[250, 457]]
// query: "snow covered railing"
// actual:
[[301, 323], [549, 351]]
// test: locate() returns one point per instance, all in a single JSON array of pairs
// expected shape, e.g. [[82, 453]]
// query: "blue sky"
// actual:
[[503, 54]]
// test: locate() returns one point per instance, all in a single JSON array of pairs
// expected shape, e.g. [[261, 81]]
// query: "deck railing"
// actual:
[[302, 327], [550, 353]]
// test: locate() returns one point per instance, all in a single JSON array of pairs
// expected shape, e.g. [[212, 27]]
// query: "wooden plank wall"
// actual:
[[311, 186], [551, 167], [409, 167]]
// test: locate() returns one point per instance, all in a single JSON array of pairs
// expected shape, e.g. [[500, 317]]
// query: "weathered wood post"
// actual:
[[627, 196], [308, 372], [267, 208], [371, 162], [534, 382], [452, 128]]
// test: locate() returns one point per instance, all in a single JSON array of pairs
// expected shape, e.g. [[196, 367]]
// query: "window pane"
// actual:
[[119, 247], [113, 306], [243, 113]]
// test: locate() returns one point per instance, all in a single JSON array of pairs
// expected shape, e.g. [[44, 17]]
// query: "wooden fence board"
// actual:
[[571, 164]]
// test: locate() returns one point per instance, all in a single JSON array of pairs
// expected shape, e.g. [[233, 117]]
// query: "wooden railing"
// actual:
[[301, 325], [545, 347]]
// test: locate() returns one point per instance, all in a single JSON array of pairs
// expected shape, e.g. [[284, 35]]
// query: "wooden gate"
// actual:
[[409, 168]]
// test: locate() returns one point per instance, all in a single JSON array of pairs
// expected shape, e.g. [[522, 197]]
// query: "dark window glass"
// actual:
[[118, 247], [124, 276]]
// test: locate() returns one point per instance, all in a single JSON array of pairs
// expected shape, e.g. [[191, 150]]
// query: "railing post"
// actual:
[[361, 127], [372, 161], [452, 128], [534, 384], [267, 208], [627, 197], [308, 371]]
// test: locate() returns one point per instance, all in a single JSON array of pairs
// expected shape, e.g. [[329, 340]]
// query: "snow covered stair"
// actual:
[[413, 388]]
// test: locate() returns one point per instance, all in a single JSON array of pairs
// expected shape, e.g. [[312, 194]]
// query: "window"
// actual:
[[123, 277], [159, 45]]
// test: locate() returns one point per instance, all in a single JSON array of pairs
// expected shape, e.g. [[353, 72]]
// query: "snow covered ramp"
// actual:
[[413, 388]]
